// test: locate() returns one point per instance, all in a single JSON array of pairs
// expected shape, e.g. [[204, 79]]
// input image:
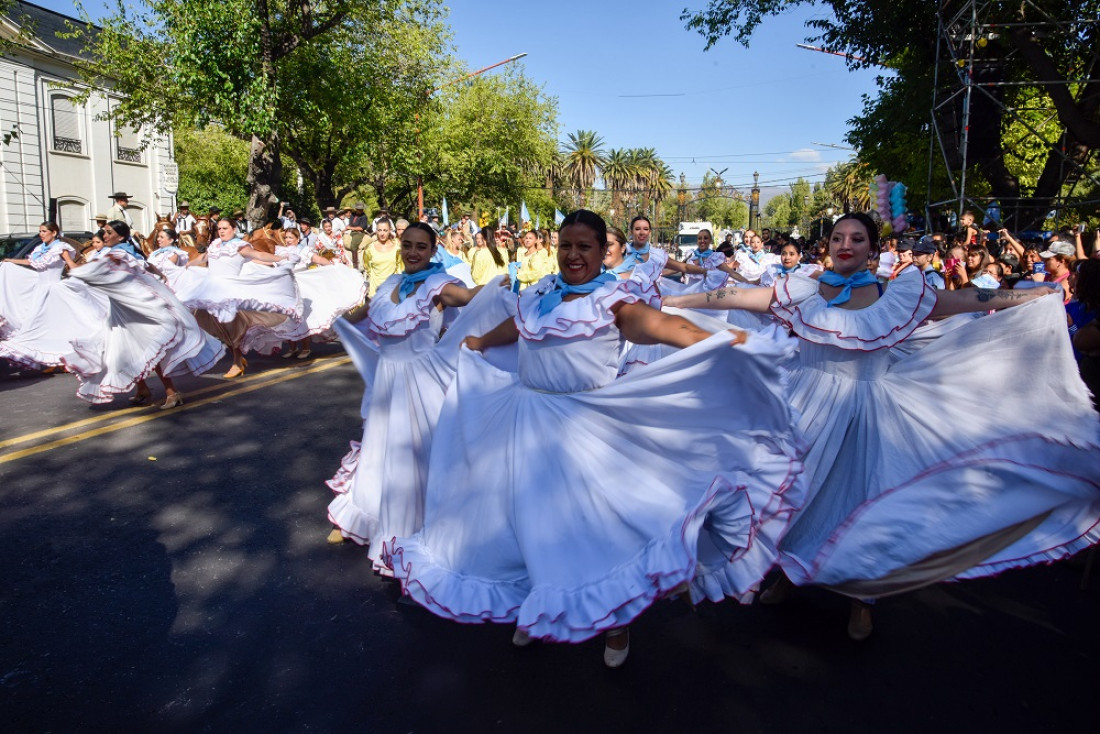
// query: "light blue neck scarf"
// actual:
[[553, 299], [409, 281], [863, 277]]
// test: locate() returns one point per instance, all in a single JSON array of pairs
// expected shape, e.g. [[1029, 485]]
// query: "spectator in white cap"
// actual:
[[1058, 259]]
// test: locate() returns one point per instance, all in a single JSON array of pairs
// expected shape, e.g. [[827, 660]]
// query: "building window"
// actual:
[[73, 216], [68, 124], [129, 145]]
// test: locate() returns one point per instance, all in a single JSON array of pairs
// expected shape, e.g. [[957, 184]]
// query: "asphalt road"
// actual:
[[169, 572]]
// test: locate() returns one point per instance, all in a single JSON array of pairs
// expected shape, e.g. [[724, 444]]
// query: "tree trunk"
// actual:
[[265, 174]]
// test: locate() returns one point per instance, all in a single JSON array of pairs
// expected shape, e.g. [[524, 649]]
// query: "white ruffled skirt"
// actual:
[[379, 488], [146, 326], [570, 513], [918, 473], [39, 333]]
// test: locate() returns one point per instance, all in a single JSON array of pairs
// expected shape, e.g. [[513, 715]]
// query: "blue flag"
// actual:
[[558, 217], [446, 216], [503, 221], [524, 215]]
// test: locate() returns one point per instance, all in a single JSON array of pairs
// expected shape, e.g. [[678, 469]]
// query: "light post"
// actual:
[[419, 152], [754, 203]]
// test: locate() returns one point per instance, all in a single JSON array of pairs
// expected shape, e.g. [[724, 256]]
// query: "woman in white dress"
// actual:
[[39, 312], [906, 489], [253, 310], [146, 330], [328, 289], [407, 368], [605, 494]]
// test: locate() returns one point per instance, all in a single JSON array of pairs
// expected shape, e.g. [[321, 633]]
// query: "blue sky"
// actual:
[[755, 109]]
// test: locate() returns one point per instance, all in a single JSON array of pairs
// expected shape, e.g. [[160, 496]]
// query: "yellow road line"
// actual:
[[138, 420], [141, 408]]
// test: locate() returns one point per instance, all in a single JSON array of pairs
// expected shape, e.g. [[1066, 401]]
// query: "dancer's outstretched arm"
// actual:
[[644, 324], [746, 299], [967, 300]]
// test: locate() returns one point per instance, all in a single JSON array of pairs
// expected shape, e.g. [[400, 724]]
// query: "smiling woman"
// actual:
[[581, 519], [905, 490], [407, 364]]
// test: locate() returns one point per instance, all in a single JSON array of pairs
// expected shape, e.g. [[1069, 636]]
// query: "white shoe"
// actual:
[[521, 638], [613, 658]]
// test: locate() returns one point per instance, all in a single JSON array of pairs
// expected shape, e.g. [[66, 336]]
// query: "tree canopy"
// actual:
[[1049, 68]]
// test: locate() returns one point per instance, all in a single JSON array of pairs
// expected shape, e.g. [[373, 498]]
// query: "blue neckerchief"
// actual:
[[756, 256], [41, 250], [786, 271], [171, 248], [409, 280], [863, 277], [448, 260], [513, 275], [633, 255], [701, 255], [128, 246], [553, 299], [620, 268]]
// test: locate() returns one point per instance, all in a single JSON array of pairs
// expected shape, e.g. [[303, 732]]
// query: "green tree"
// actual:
[[778, 211], [584, 156], [355, 99], [892, 130], [213, 168], [186, 62], [493, 137]]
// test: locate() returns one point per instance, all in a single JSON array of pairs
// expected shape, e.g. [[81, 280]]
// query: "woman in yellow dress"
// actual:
[[381, 258], [486, 261], [534, 260]]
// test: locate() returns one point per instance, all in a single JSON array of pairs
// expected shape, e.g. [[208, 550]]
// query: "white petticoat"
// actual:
[[916, 476], [40, 313], [407, 368], [146, 326], [567, 501]]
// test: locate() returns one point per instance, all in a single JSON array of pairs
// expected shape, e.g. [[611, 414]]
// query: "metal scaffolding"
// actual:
[[970, 80]]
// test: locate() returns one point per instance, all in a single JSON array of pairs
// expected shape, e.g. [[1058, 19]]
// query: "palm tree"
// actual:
[[617, 174], [647, 167], [583, 158], [848, 183]]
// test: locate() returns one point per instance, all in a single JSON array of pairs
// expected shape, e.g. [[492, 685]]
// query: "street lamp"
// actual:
[[420, 153]]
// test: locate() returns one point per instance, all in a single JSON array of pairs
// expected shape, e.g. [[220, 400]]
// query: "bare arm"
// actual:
[[746, 299], [1013, 243], [684, 268], [504, 333], [254, 254], [457, 295], [644, 324], [1087, 338], [968, 300], [1080, 245]]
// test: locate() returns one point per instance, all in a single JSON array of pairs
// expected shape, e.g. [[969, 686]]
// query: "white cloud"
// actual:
[[805, 154]]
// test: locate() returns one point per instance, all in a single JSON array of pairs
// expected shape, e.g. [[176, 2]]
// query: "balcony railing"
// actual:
[[67, 145], [129, 155]]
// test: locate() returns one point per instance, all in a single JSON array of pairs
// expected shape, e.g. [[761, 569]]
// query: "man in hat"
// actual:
[[466, 226], [100, 220], [118, 211], [924, 251], [243, 225], [185, 220], [309, 237], [357, 228]]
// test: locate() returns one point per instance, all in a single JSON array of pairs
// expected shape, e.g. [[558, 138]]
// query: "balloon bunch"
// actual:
[[888, 198], [898, 207]]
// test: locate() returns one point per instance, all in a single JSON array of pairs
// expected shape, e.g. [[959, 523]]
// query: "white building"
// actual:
[[66, 162]]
